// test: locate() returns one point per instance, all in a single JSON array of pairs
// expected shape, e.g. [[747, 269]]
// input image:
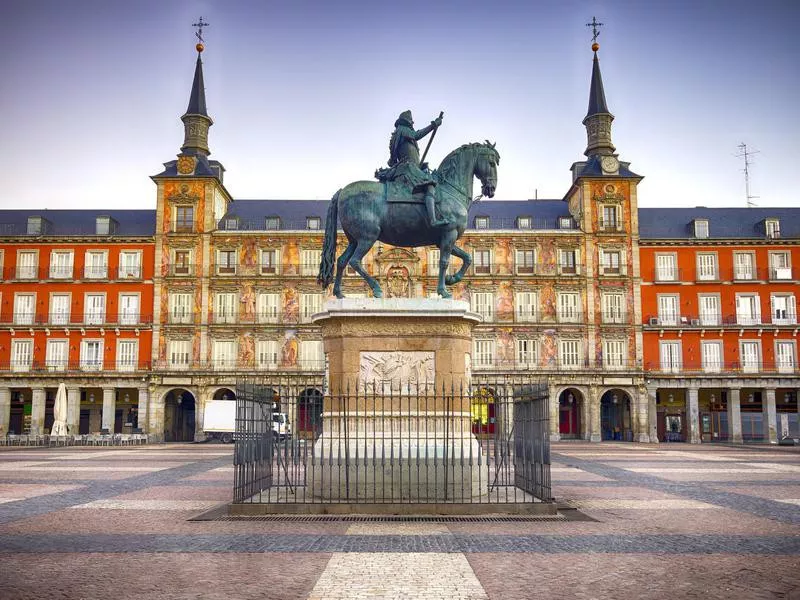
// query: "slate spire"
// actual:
[[598, 118], [196, 120]]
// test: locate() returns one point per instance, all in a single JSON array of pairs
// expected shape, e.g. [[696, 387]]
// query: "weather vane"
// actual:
[[199, 33], [595, 32]]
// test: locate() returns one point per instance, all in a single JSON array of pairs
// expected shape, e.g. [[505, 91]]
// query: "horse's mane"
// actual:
[[451, 162]]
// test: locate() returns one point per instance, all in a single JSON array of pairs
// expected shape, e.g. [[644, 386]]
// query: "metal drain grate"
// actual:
[[395, 518]]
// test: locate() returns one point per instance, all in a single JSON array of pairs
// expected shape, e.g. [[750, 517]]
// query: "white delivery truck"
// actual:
[[219, 422]]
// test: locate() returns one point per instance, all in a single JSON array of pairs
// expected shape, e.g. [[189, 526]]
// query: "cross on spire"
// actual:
[[595, 31], [199, 33]]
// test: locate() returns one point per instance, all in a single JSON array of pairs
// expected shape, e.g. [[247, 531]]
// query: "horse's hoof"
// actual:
[[377, 294], [450, 280], [445, 294]]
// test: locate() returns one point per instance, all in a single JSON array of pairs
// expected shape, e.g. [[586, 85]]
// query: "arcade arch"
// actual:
[[180, 415]]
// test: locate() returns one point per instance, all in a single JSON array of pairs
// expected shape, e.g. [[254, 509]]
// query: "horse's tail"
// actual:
[[325, 277]]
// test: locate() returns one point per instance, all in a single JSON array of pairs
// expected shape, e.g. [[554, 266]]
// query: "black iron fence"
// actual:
[[403, 443]]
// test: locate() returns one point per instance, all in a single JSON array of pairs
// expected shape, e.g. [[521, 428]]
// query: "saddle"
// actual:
[[401, 186]]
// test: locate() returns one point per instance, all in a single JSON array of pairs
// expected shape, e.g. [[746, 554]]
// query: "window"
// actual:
[[24, 307], [225, 307], [21, 355], [481, 222], [272, 223], [482, 261], [312, 355], [96, 266], [785, 359], [180, 307], [701, 228], [433, 262], [707, 267], [56, 355], [773, 227], [104, 226], [525, 262], [743, 268], [94, 309], [609, 220], [569, 353], [59, 309], [567, 262], [270, 264], [710, 315], [613, 354], [226, 262], [748, 309], [610, 262], [313, 222], [27, 264], [668, 310], [224, 354], [310, 304], [784, 310], [128, 309], [309, 262], [266, 354], [184, 219], [92, 355], [268, 307], [61, 264], [178, 352], [127, 353], [130, 265], [613, 308], [36, 226], [527, 304], [712, 356], [569, 307], [527, 353], [779, 266], [670, 356], [483, 304], [524, 222], [182, 262], [484, 353], [565, 222], [666, 267], [750, 351], [230, 223]]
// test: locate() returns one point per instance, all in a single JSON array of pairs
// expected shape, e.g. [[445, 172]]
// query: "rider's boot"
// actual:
[[429, 204]]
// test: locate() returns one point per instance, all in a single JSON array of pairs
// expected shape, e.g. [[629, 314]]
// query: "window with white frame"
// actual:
[[96, 264], [569, 307], [310, 304], [527, 353], [701, 228], [127, 354], [670, 356], [610, 262], [27, 263], [184, 219], [270, 261], [784, 309], [272, 223], [130, 264], [223, 354], [527, 305], [613, 354], [36, 226], [748, 309], [483, 304], [268, 307], [24, 309], [483, 353], [565, 223], [744, 266], [666, 267], [525, 261], [56, 355], [610, 218], [180, 307], [104, 225], [569, 353], [128, 309], [711, 353], [61, 264], [309, 261], [524, 222], [94, 309], [785, 356], [92, 355], [750, 353], [21, 355], [568, 261], [613, 307], [181, 262], [226, 262], [707, 267], [178, 353], [266, 354], [225, 307], [668, 309], [313, 223], [482, 261], [59, 309], [780, 266], [312, 355], [481, 222], [773, 228], [710, 315], [433, 265]]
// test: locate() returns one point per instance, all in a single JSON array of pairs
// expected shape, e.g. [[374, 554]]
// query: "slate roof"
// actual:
[[723, 223], [79, 222], [597, 95], [197, 99], [592, 168], [204, 168]]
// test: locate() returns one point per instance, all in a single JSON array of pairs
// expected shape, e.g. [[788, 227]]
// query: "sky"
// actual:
[[304, 94]]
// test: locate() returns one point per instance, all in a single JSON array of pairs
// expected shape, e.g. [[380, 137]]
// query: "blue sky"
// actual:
[[304, 94]]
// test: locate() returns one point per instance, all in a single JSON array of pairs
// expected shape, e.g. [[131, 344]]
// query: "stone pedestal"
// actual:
[[396, 423]]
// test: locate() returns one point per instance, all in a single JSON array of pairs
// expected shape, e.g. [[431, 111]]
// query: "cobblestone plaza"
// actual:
[[636, 521]]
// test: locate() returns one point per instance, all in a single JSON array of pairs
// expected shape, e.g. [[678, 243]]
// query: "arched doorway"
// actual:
[[570, 403], [615, 416], [179, 416], [224, 394], [482, 411], [309, 413]]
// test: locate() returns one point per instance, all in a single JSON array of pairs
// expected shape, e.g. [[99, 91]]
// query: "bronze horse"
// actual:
[[370, 211]]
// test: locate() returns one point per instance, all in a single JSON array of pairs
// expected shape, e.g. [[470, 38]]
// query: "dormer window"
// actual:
[[565, 222], [105, 226], [231, 223], [313, 223], [701, 228], [481, 222], [773, 227], [273, 223], [36, 226], [524, 223]]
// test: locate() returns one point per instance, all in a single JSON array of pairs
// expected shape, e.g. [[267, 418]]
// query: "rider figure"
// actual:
[[404, 161]]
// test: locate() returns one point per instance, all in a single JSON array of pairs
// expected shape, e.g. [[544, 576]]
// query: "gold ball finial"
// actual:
[[200, 47], [595, 47]]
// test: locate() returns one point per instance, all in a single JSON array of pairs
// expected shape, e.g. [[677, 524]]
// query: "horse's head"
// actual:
[[486, 168]]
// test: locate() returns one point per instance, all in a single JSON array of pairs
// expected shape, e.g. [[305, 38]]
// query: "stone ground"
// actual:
[[669, 521]]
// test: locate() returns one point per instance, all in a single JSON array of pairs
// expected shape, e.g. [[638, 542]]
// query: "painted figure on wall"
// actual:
[[548, 300], [505, 346], [505, 301], [246, 350], [247, 298], [549, 348], [289, 350], [291, 305]]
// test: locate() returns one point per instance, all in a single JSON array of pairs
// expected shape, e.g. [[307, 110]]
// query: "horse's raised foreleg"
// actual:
[[341, 263], [466, 261], [446, 246], [360, 251]]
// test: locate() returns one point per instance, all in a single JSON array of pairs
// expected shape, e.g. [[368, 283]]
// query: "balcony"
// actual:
[[180, 270], [610, 226], [62, 319], [613, 318], [570, 316], [225, 269], [237, 366], [686, 321], [183, 227], [25, 273], [667, 275], [61, 272], [782, 274], [95, 272], [73, 366], [225, 319], [734, 368], [127, 273]]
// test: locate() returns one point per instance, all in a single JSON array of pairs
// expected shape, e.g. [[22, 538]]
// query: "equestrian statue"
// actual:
[[401, 207]]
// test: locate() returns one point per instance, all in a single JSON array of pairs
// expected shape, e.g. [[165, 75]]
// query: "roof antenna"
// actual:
[[746, 154]]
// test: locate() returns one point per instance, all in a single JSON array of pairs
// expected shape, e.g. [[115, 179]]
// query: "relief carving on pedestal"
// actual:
[[397, 371]]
